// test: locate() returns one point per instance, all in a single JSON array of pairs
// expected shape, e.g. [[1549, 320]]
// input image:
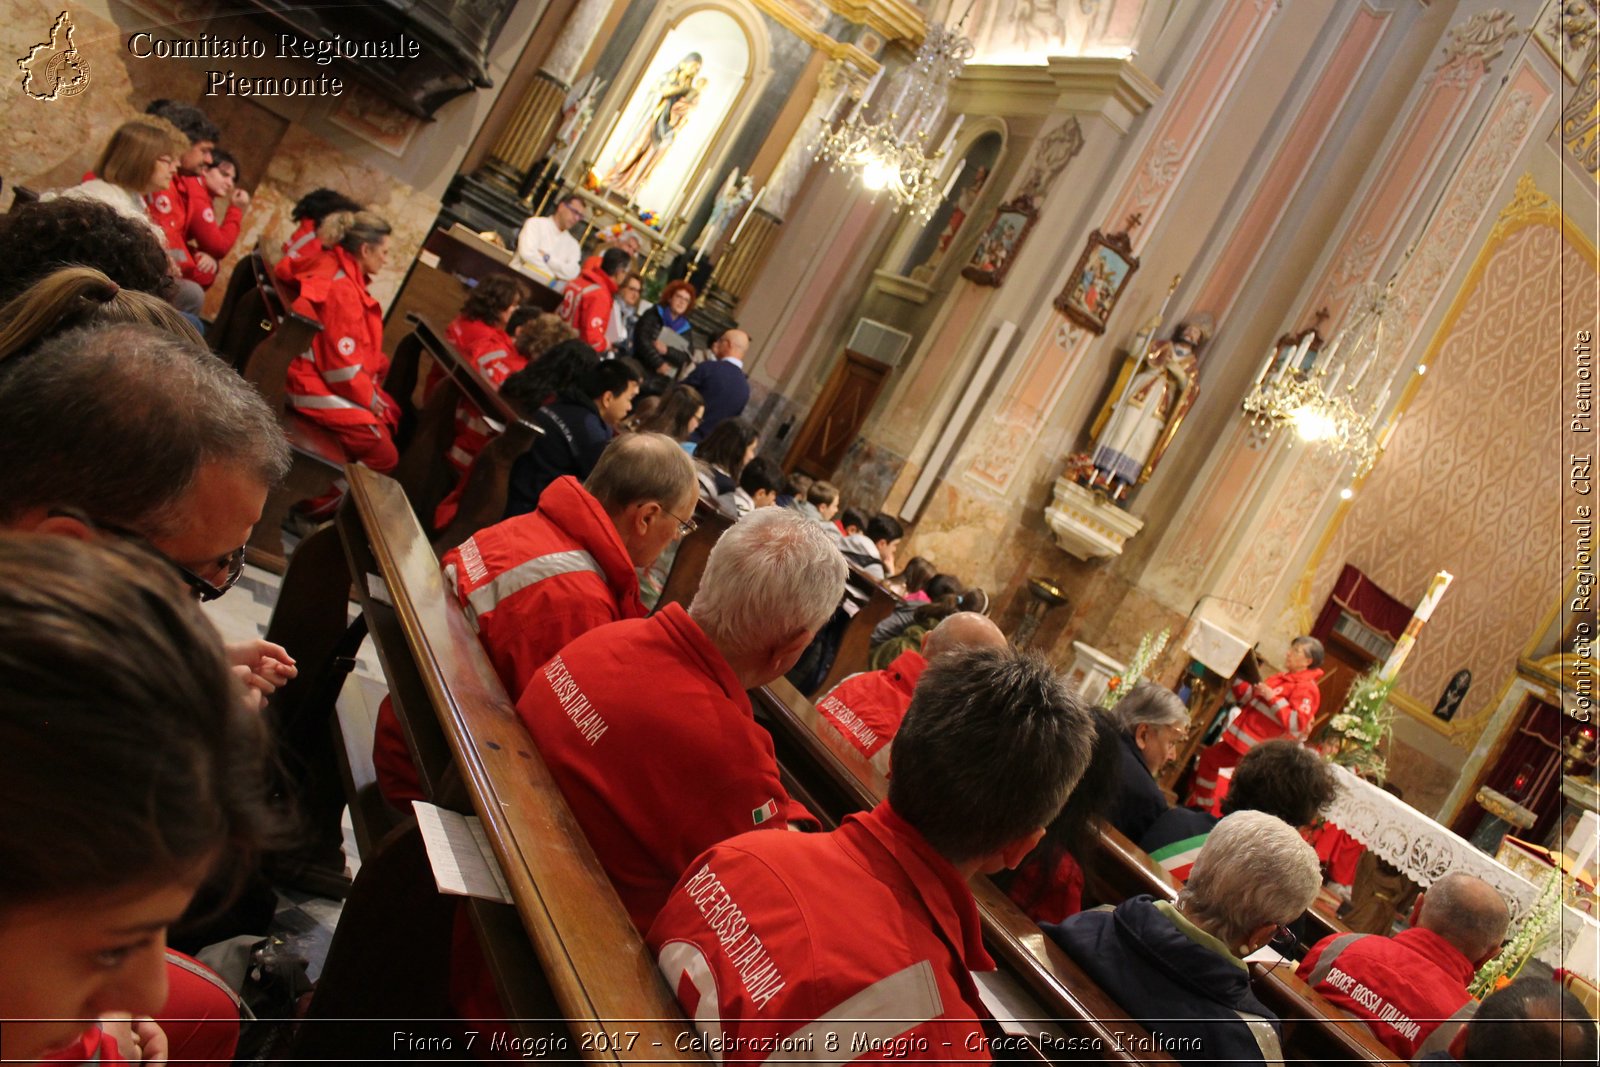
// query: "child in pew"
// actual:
[[873, 549], [794, 490], [758, 487], [129, 764], [576, 427]]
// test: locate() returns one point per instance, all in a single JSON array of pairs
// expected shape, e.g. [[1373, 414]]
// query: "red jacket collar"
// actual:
[[904, 671], [570, 508], [1439, 952], [593, 275], [943, 891], [352, 269], [699, 653]]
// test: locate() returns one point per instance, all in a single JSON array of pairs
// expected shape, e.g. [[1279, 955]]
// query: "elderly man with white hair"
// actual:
[[1179, 968], [1152, 722], [645, 724]]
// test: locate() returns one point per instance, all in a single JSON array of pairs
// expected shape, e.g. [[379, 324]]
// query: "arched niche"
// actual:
[[697, 107], [923, 256]]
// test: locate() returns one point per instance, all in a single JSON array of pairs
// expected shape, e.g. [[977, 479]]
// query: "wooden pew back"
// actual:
[[690, 562], [855, 644], [585, 951], [241, 321], [424, 471]]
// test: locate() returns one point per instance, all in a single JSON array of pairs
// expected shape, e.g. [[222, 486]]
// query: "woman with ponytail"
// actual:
[[340, 387], [303, 252], [82, 296]]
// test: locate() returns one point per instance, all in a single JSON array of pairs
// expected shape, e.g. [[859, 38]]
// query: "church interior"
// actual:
[[1180, 328]]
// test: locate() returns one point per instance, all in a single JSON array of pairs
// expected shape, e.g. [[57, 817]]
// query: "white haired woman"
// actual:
[[1180, 967], [1152, 722]]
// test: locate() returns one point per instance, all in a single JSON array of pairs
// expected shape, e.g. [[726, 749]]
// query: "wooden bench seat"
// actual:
[[566, 959], [317, 456]]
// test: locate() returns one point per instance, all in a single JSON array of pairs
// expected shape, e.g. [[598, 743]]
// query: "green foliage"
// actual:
[[1527, 938], [1150, 647], [1363, 726]]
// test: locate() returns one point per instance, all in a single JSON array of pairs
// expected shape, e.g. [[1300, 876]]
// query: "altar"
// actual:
[[1425, 851]]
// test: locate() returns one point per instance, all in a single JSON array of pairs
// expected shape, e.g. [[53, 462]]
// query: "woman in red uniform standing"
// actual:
[[338, 382]]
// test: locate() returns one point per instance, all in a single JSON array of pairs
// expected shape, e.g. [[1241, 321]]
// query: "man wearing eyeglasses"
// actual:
[[533, 583], [129, 432], [544, 247]]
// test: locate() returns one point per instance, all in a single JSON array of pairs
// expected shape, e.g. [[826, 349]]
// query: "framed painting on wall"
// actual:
[[1097, 282], [998, 246]]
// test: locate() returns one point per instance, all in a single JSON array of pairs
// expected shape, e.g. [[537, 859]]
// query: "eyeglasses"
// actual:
[[204, 591], [685, 526], [1284, 942]]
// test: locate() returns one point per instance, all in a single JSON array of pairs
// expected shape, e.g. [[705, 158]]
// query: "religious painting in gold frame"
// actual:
[[998, 247], [1097, 283]]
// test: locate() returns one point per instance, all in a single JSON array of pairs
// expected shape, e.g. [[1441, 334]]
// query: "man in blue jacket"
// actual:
[[721, 381]]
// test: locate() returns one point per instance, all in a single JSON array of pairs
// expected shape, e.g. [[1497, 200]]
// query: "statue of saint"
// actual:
[[675, 97], [1132, 435], [731, 199]]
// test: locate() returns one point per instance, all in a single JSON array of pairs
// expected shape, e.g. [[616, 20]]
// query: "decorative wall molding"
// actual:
[[1113, 89]]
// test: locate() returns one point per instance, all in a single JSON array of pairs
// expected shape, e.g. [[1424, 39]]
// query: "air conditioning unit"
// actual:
[[877, 341]]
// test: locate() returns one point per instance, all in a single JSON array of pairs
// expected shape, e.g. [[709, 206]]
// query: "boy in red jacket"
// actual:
[[587, 303]]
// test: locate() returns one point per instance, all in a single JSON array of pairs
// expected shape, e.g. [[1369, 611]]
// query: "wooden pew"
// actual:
[[842, 781], [566, 950], [855, 644], [317, 455], [242, 321], [424, 472]]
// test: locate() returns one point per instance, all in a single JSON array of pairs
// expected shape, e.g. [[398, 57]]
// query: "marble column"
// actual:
[[527, 134]]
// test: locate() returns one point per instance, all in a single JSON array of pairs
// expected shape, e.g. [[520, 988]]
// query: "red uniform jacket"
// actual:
[[201, 230], [867, 708], [338, 380], [491, 350], [854, 944], [650, 736], [1048, 895], [170, 211], [531, 585], [1289, 715], [1404, 987], [587, 306], [303, 255]]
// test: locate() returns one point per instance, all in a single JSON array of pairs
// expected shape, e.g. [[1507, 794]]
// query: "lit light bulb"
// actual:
[[1346, 493], [1422, 368], [1312, 424], [875, 176]]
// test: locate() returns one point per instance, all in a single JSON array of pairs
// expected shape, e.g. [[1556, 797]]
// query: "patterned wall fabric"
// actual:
[[1472, 481]]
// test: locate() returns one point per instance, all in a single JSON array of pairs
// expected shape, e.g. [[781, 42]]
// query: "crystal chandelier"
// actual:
[[1330, 395], [889, 152]]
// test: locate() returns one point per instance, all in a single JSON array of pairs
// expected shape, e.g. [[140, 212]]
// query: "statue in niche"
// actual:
[[1147, 404], [1454, 693], [731, 199], [676, 95], [966, 201]]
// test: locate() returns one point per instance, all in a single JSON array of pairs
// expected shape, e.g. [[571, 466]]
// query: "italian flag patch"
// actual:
[[769, 810]]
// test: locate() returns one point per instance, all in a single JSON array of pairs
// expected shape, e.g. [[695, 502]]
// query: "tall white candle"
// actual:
[[950, 185], [751, 210], [688, 204], [949, 138], [866, 95], [1424, 612], [1272, 354]]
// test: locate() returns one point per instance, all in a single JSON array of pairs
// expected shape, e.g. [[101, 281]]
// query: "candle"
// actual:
[[601, 144], [1402, 647], [751, 210], [950, 137], [950, 185], [866, 95], [688, 204], [1272, 354]]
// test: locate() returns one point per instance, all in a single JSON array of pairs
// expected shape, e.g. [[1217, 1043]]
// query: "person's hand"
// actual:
[[1265, 691], [262, 666], [241, 198], [205, 263], [661, 347], [139, 1040]]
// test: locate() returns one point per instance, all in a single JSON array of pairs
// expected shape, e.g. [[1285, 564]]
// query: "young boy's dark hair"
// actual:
[[851, 519], [612, 376], [885, 528], [761, 475]]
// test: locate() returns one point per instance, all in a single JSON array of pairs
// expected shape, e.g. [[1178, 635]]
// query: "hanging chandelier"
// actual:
[[889, 152], [1331, 395]]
